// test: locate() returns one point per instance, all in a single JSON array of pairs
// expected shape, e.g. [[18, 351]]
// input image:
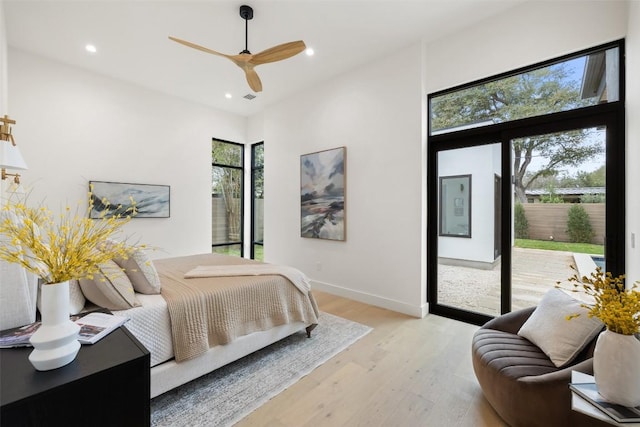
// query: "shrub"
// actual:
[[520, 222], [592, 198], [578, 225]]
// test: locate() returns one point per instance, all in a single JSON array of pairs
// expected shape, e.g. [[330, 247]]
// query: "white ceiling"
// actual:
[[132, 43]]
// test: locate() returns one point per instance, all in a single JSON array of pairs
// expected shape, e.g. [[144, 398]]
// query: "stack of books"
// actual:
[[589, 392]]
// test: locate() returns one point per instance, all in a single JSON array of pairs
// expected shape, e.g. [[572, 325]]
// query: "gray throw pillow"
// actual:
[[548, 328]]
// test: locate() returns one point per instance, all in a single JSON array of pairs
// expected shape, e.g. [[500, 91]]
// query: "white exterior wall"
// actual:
[[482, 164]]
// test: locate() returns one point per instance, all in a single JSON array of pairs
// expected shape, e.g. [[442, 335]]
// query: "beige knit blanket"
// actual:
[[295, 276], [210, 311]]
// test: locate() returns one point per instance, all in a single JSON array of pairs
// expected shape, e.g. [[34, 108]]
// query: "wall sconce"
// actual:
[[10, 157]]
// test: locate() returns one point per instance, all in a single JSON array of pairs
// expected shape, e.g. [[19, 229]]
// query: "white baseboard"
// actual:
[[378, 301]]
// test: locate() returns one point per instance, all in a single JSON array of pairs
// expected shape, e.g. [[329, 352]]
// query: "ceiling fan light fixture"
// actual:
[[309, 51]]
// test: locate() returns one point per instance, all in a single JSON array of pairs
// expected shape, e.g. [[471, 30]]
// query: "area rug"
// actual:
[[228, 394]]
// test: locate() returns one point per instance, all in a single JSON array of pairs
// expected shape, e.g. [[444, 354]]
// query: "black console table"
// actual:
[[108, 384]]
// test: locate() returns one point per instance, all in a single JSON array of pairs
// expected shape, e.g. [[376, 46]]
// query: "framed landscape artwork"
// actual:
[[152, 201], [322, 194]]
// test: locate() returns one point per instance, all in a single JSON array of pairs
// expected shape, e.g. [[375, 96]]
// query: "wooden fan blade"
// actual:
[[254, 81], [202, 48], [278, 53]]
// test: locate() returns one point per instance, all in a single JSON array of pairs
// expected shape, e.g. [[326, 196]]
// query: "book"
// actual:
[[18, 337], [93, 327], [620, 413]]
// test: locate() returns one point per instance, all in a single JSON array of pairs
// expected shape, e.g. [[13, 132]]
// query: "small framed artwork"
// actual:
[[152, 201], [322, 194]]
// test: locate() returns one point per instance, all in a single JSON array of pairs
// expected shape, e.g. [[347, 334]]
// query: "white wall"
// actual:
[[3, 64], [633, 141], [526, 34], [375, 112], [75, 126]]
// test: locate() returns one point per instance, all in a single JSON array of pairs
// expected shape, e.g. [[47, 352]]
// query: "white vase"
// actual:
[[616, 368], [55, 343]]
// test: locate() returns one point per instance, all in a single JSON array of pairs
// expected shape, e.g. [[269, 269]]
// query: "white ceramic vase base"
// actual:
[[616, 368], [55, 343]]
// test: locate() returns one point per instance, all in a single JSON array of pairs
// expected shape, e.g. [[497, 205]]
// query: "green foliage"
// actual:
[[530, 94], [520, 222], [552, 245], [551, 196], [597, 178], [578, 225], [593, 198]]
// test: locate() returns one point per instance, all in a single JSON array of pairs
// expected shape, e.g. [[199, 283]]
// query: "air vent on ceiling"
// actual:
[[249, 96]]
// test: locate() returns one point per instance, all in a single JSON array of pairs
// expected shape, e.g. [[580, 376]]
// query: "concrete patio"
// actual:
[[534, 271]]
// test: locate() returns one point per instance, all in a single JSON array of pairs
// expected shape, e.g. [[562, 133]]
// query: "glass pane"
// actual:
[[258, 155], [226, 153], [226, 204], [574, 83], [559, 210], [258, 206], [455, 206], [233, 250], [258, 252], [469, 276]]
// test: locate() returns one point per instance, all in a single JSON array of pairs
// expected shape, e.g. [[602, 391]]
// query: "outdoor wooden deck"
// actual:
[[534, 271]]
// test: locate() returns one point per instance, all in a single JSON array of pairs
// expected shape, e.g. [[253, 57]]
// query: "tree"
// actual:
[[227, 183], [524, 95]]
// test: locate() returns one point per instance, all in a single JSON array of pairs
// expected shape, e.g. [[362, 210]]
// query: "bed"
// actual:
[[228, 315]]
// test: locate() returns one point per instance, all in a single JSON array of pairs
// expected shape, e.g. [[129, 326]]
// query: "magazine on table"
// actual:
[[93, 327], [96, 325], [18, 337], [622, 414]]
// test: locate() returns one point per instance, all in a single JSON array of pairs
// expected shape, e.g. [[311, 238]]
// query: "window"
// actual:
[[257, 200], [227, 188], [579, 81], [455, 206]]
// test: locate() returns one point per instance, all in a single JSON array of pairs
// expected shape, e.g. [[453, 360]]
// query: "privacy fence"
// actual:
[[548, 221]]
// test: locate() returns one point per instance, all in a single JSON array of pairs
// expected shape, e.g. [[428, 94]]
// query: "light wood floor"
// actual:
[[406, 372]]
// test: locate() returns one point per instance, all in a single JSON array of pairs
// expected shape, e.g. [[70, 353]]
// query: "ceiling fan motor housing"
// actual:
[[246, 12]]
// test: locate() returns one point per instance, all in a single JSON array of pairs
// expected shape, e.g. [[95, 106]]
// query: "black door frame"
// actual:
[[610, 115]]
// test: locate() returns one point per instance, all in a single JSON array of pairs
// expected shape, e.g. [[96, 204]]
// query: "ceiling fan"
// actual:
[[245, 59]]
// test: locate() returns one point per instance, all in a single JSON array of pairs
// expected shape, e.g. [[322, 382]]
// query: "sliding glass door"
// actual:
[[525, 183]]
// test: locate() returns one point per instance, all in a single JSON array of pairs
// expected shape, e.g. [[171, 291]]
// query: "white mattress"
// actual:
[[150, 324]]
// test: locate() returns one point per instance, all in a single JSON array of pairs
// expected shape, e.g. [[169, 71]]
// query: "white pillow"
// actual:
[[548, 328], [110, 288], [141, 271]]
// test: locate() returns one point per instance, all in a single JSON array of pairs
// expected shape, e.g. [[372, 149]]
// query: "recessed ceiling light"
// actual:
[[91, 48], [309, 51], [228, 95]]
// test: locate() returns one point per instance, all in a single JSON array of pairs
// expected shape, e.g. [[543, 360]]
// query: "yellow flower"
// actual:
[[615, 305], [71, 248]]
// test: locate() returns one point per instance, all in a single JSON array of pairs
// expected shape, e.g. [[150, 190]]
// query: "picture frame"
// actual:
[[322, 194], [151, 201]]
